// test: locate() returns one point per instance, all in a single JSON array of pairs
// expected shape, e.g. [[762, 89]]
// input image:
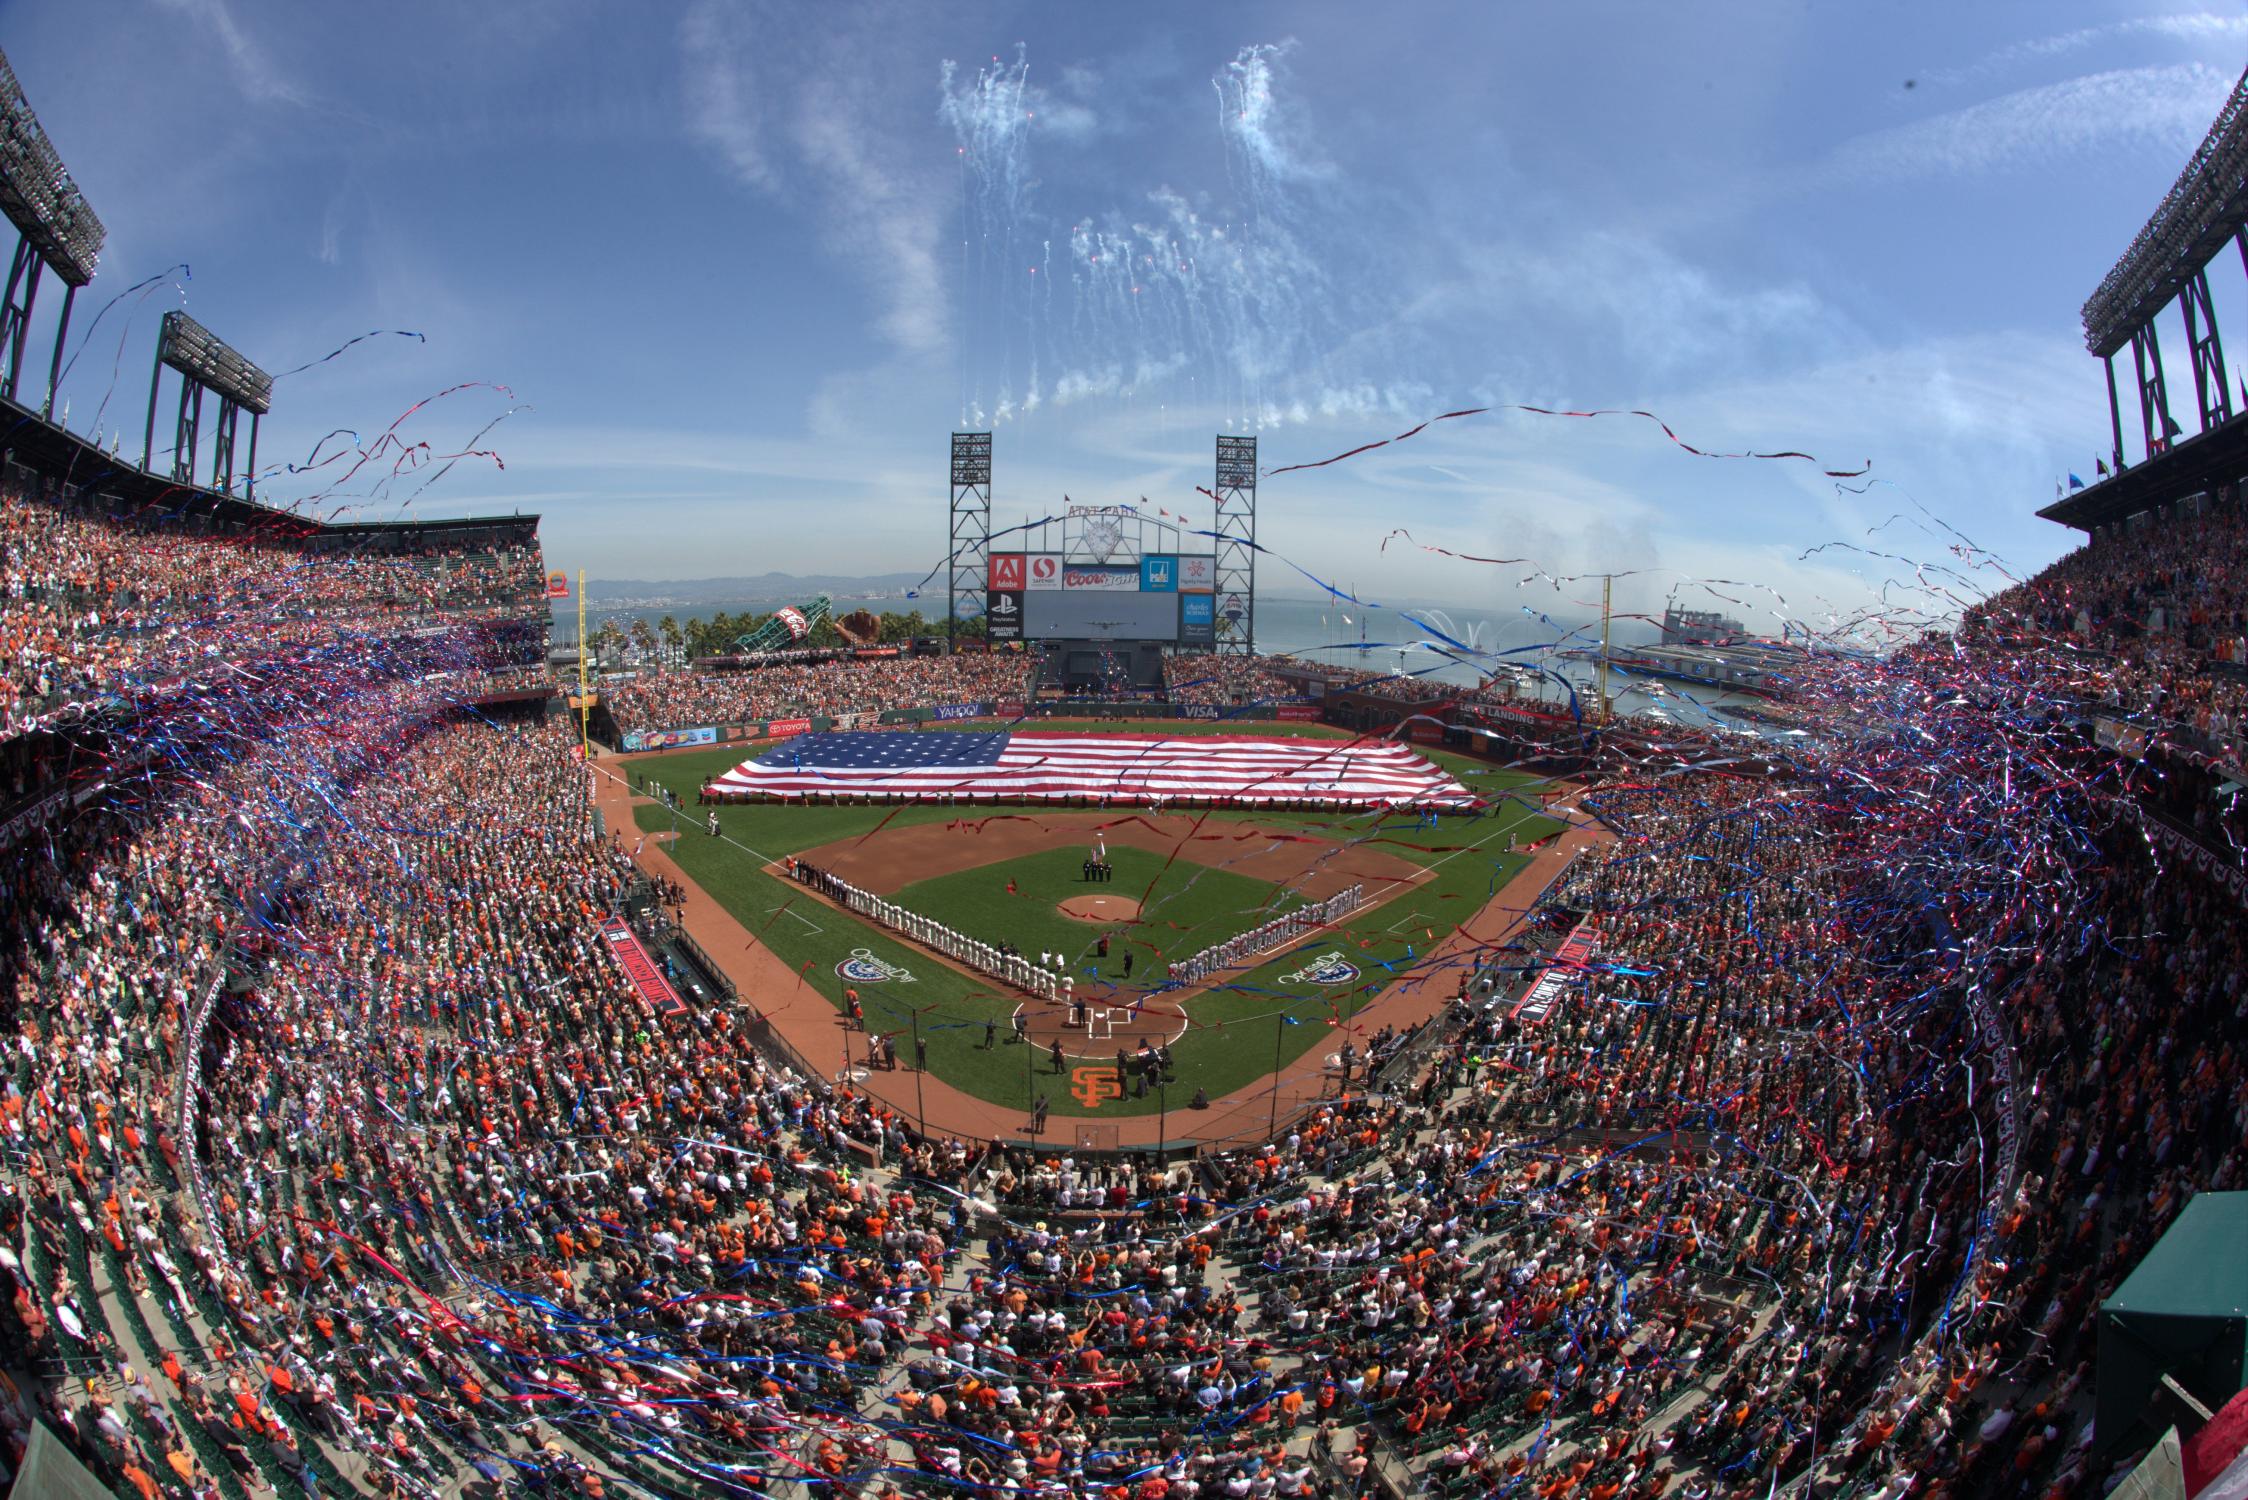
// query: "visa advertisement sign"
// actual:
[[1159, 573]]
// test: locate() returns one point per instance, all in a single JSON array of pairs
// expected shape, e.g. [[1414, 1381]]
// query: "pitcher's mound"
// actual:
[[1101, 908]]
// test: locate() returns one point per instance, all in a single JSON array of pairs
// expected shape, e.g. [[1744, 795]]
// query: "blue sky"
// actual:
[[743, 267]]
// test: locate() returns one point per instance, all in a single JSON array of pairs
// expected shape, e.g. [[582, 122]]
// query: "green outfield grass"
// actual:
[[1235, 1030]]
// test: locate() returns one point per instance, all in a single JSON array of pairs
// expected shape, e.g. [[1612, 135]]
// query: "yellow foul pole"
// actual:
[[1607, 599], [585, 704]]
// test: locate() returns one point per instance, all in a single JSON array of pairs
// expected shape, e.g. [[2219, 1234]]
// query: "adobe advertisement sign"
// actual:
[[1003, 614], [1006, 570]]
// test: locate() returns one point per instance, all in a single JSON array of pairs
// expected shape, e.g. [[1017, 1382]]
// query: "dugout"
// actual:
[[2182, 1313]]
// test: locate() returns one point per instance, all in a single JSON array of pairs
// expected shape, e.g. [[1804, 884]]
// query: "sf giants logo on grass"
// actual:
[[862, 967], [1327, 968], [1094, 1084]]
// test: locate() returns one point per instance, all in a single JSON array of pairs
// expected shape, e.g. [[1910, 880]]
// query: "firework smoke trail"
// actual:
[[1175, 299], [991, 115]]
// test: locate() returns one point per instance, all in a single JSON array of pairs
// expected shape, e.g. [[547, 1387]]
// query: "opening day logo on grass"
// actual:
[[862, 967], [1327, 968]]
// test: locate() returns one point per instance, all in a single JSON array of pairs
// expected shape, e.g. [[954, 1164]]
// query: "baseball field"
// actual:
[[1178, 883]]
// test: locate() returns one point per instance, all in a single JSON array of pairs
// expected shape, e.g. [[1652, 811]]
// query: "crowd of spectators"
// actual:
[[90, 603], [843, 685], [342, 1156], [1231, 681], [803, 690], [2163, 607]]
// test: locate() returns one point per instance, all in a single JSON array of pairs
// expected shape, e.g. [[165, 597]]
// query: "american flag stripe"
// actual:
[[1124, 768]]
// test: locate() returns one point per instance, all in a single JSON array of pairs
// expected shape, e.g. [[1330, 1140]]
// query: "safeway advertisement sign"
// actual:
[[1101, 580], [1044, 571]]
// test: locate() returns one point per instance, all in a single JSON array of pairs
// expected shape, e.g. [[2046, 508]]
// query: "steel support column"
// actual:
[[968, 562], [222, 447], [1235, 490], [15, 317], [2154, 391], [54, 365], [187, 433], [155, 388], [2212, 391], [250, 472], [2115, 413]]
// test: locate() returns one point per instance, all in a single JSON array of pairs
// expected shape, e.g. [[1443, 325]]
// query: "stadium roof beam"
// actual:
[[2168, 261], [205, 363], [2205, 208], [55, 230]]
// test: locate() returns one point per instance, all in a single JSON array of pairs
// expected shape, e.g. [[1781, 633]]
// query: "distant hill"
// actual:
[[764, 589]]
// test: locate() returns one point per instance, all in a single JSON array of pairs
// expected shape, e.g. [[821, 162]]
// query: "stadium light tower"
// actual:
[[968, 563], [55, 231], [1236, 567], [206, 364]]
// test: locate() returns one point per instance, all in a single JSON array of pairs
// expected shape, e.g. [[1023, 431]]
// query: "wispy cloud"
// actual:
[[724, 110], [331, 230], [2192, 28], [260, 81], [811, 130], [884, 218], [2166, 108]]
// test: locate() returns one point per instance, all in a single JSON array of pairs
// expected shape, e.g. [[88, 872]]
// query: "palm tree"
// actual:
[[607, 641], [643, 639], [668, 628]]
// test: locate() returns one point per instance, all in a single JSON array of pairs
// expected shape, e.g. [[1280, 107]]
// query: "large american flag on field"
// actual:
[[1126, 768]]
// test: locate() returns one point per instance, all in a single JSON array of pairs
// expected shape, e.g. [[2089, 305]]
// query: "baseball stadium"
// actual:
[[1079, 1035]]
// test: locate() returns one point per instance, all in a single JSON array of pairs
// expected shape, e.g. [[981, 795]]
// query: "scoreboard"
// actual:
[[1044, 596]]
